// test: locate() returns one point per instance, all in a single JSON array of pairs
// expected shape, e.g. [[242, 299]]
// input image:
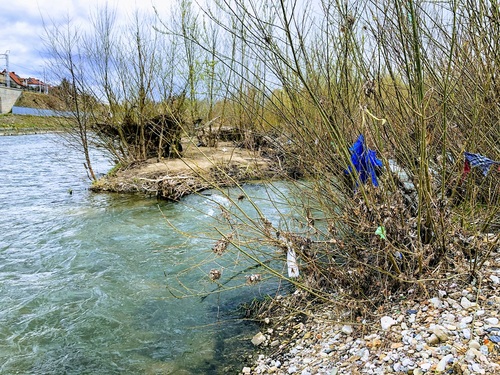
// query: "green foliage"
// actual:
[[116, 168], [18, 123]]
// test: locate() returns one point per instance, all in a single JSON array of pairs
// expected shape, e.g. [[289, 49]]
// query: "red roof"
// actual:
[[15, 78], [33, 81], [23, 81]]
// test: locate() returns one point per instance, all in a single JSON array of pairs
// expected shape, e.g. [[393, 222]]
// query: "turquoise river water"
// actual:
[[87, 280]]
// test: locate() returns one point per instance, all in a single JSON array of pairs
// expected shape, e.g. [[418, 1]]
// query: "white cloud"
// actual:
[[22, 25]]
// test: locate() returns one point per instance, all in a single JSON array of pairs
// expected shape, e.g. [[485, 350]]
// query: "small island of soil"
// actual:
[[198, 169]]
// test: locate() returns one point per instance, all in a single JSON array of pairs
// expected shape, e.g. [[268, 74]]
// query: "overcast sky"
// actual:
[[21, 26]]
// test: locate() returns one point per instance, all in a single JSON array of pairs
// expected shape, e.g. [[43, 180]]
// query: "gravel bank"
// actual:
[[454, 330]]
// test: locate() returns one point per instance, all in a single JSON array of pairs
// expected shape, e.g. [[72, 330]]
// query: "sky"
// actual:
[[21, 26]]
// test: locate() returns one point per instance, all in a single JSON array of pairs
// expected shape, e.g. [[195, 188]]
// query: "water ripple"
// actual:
[[82, 276]]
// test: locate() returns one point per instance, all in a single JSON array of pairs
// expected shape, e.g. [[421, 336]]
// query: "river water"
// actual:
[[87, 280]]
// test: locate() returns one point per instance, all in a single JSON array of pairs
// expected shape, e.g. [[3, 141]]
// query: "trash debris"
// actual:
[[291, 262], [381, 232], [477, 160], [214, 274], [290, 241], [221, 245], [495, 339], [254, 279], [365, 161]]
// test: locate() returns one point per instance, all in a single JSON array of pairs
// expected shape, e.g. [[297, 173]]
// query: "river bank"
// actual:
[[26, 131], [454, 329], [199, 168], [22, 125]]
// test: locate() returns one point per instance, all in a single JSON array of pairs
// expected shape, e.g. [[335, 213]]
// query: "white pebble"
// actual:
[[477, 368], [465, 303], [484, 349], [364, 354], [474, 344], [492, 321], [466, 333], [466, 320], [347, 329], [387, 322], [436, 302], [407, 362], [425, 366], [258, 339], [441, 366]]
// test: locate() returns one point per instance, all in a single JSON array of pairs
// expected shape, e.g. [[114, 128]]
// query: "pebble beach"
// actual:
[[453, 330]]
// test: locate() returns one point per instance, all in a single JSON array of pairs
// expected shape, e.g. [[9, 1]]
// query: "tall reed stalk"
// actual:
[[403, 74], [302, 80]]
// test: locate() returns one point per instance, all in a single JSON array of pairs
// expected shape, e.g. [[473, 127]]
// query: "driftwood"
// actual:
[[174, 188], [162, 135], [209, 135]]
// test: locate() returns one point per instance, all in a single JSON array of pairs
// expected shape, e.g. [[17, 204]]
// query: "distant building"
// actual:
[[15, 81], [36, 85], [32, 84]]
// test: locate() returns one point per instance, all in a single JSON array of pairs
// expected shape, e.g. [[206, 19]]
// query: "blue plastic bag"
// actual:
[[365, 161]]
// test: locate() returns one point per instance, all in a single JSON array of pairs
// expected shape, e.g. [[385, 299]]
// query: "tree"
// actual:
[[64, 46]]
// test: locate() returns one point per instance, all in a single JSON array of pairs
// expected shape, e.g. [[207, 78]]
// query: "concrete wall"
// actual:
[[8, 98]]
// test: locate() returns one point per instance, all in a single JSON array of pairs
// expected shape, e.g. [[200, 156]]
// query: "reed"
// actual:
[[301, 81], [419, 81]]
